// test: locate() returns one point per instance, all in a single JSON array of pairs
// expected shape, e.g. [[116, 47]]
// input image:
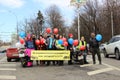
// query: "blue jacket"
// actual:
[[30, 45]]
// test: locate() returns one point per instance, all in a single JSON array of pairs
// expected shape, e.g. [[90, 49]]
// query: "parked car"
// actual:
[[113, 47], [12, 53]]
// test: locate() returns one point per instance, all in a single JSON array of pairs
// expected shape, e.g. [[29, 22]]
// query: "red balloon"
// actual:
[[37, 42], [55, 30], [42, 41], [75, 43], [82, 48], [48, 30], [64, 39], [22, 41], [65, 43], [70, 35]]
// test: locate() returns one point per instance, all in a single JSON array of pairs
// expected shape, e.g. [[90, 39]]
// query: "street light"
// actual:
[[112, 24], [78, 3], [78, 23], [111, 17]]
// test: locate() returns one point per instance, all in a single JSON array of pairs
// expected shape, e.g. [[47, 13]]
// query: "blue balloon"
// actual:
[[70, 41], [22, 34], [60, 42], [98, 37]]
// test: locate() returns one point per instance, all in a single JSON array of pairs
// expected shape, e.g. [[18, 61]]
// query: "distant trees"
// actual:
[[34, 26], [52, 19], [95, 17], [13, 38], [55, 19], [98, 18]]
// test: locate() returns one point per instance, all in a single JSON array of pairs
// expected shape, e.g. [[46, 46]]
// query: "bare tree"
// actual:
[[55, 19], [88, 19], [33, 26], [98, 19]]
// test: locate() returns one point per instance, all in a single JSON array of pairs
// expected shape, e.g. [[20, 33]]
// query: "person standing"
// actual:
[[34, 39], [42, 46], [94, 48], [29, 45], [59, 47], [50, 42], [83, 43], [70, 47]]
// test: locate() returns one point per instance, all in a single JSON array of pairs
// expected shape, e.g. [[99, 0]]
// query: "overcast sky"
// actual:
[[12, 11]]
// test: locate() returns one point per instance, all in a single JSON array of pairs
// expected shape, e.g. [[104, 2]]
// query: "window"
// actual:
[[111, 40], [116, 39]]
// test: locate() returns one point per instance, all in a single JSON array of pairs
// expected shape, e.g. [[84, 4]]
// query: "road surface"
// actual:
[[109, 70]]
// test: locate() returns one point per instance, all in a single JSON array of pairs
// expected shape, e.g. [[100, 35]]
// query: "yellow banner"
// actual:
[[50, 55]]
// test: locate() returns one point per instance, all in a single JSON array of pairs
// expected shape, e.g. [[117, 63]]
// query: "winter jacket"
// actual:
[[30, 44], [81, 43], [59, 46], [93, 43]]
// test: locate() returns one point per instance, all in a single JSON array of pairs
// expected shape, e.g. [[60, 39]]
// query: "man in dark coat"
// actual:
[[94, 48]]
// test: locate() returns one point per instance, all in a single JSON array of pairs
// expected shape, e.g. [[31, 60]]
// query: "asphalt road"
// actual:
[[109, 70]]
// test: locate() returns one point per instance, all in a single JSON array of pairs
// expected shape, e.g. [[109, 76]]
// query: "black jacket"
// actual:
[[93, 43]]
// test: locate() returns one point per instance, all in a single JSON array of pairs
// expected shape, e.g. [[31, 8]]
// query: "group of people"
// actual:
[[51, 43]]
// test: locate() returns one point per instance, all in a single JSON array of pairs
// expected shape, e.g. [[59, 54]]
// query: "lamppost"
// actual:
[[112, 23], [111, 16], [78, 22], [78, 3]]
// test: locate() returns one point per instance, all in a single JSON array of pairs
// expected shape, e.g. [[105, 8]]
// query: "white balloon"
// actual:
[[18, 45]]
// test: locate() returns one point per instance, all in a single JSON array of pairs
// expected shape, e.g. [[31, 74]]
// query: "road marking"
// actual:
[[111, 66], [7, 77], [9, 65], [99, 71], [9, 69], [7, 62], [86, 65], [3, 59]]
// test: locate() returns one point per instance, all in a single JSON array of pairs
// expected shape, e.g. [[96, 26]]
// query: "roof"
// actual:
[[117, 36]]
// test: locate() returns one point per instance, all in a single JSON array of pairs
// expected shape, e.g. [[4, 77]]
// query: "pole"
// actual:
[[112, 24], [78, 2], [78, 24]]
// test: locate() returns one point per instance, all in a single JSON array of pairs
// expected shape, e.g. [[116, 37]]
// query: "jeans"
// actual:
[[94, 52]]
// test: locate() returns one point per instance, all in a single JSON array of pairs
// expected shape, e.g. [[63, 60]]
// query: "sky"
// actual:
[[13, 11]]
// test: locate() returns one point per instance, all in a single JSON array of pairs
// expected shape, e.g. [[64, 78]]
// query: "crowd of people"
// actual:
[[51, 42]]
